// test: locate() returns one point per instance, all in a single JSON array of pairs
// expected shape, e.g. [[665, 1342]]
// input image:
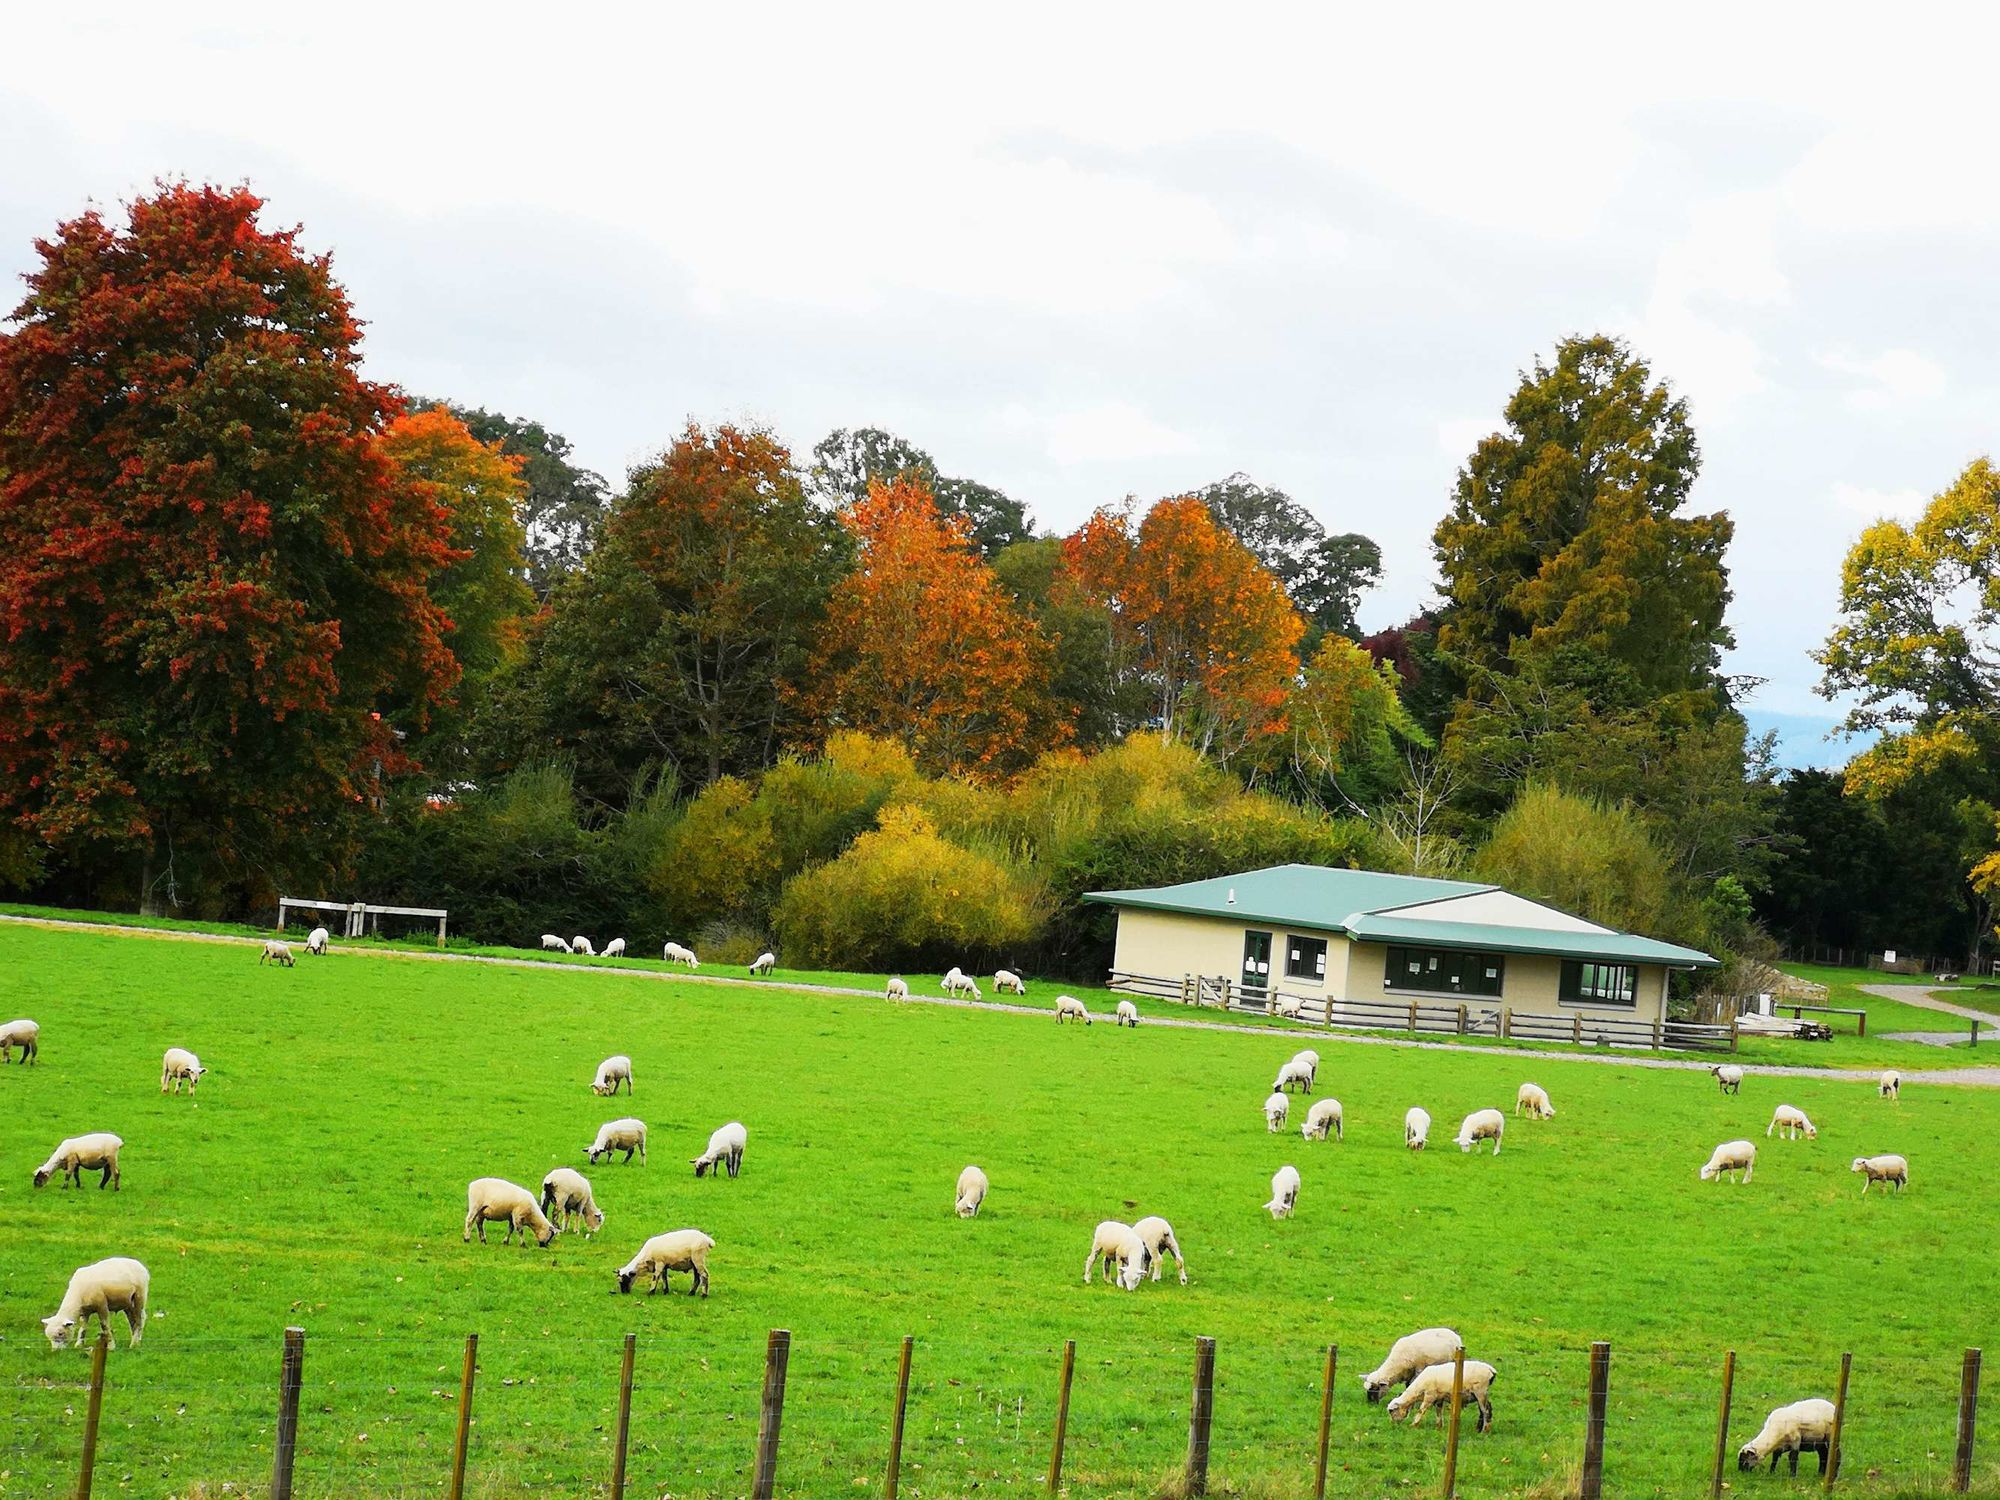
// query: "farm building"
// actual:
[[1357, 937]]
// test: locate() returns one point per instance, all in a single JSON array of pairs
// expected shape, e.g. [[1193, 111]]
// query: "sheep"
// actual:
[[1729, 1077], [679, 1250], [958, 982], [1432, 1387], [1792, 1121], [971, 1192], [1889, 1168], [1157, 1235], [1127, 1014], [1007, 982], [1890, 1085], [550, 942], [1322, 1118], [674, 953], [118, 1284], [626, 1135], [1311, 1059], [1276, 1108], [177, 1066], [1802, 1427], [1119, 1248], [1290, 1006], [1533, 1098], [1069, 1008], [614, 949], [1293, 1072], [1731, 1156], [316, 942], [276, 951], [496, 1198], [581, 945], [1411, 1353], [1417, 1127], [97, 1152], [896, 989], [614, 1070], [763, 964], [566, 1196], [1481, 1125], [725, 1149], [1284, 1192], [25, 1034]]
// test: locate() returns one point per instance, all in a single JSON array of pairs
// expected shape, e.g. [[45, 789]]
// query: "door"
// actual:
[[1256, 960]]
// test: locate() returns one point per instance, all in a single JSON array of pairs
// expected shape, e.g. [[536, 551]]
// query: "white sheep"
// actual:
[[958, 982], [1792, 1122], [317, 940], [1324, 1119], [1432, 1387], [1284, 1192], [896, 989], [496, 1198], [679, 1250], [1481, 1125], [1876, 1169], [1291, 1007], [1731, 1156], [971, 1192], [676, 954], [276, 951], [1533, 1099], [614, 949], [1417, 1127], [581, 945], [1890, 1085], [1802, 1427], [1410, 1354], [1729, 1077], [763, 963], [118, 1284], [96, 1153], [566, 1196], [1126, 1014], [552, 943], [626, 1135], [179, 1066], [1122, 1252], [1069, 1008], [1293, 1073], [1311, 1060], [1157, 1235], [614, 1070], [1276, 1108], [1007, 982], [25, 1034], [725, 1149]]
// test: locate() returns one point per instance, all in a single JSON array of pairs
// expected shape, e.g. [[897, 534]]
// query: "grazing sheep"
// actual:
[[1534, 1099], [613, 1071], [177, 1066], [98, 1290], [1802, 1427], [1324, 1118], [97, 1153], [1729, 1076], [619, 1135], [276, 951], [1792, 1121], [1890, 1085], [496, 1198], [1007, 982], [1882, 1169], [1417, 1127], [1289, 1006], [676, 954], [550, 942], [581, 945], [1284, 1192], [1122, 1252], [764, 963], [1276, 1109], [1291, 1074], [958, 982], [25, 1034], [566, 1197], [1481, 1125], [1411, 1353], [1731, 1156], [1127, 1014], [316, 942], [679, 1250], [1311, 1060], [614, 949], [725, 1149], [1069, 1008], [1432, 1387], [1157, 1235], [896, 989], [971, 1192]]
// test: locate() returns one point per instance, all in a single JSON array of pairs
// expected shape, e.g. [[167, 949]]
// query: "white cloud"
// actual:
[[1894, 378], [1109, 432]]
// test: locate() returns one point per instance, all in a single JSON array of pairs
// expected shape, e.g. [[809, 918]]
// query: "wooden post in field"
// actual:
[[1451, 1422], [1968, 1413], [1326, 1404], [1592, 1484], [1656, 1036], [1733, 1035], [464, 1416], [1413, 1015], [1461, 1018], [1062, 1414], [1722, 1425], [1506, 1022], [896, 1421], [1201, 1412], [1576, 1029], [1839, 1421], [624, 1433], [91, 1412], [291, 1374], [771, 1412]]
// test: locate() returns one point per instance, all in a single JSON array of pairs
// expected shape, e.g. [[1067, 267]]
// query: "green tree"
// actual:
[[1349, 727], [1095, 674], [845, 462], [1582, 855], [1324, 574]]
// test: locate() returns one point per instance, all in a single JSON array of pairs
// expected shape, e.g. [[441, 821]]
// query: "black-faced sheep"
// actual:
[[1069, 1008], [81, 1153], [763, 964], [1125, 1014], [316, 942], [1890, 1084], [1729, 1077]]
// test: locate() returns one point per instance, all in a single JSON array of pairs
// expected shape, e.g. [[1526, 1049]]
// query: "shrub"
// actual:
[[1580, 854]]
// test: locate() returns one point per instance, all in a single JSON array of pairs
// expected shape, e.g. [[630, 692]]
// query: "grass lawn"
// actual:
[[318, 1178]]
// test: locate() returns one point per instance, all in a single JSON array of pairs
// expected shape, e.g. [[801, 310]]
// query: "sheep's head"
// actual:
[[1812, 1131], [626, 1278], [1401, 1404], [1372, 1387], [1707, 1173], [546, 1233], [1132, 1270], [58, 1329], [1748, 1457], [702, 1165], [42, 1176], [1860, 1164]]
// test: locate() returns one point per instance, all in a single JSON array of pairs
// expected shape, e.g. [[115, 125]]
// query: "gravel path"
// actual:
[[1925, 997]]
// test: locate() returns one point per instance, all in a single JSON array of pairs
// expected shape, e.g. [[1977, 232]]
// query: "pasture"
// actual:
[[318, 1178]]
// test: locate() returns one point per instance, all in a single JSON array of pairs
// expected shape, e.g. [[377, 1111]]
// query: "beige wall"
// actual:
[[1529, 983]]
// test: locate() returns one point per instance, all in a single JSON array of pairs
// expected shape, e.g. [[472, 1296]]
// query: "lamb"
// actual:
[[276, 951], [1410, 1354], [1127, 1014], [566, 1196], [1276, 1108], [680, 1250], [551, 942], [1311, 1060], [1289, 1006], [896, 989], [1731, 1156], [1284, 1192], [615, 948], [626, 1135], [1007, 982], [495, 1198], [958, 982], [1481, 1125], [1433, 1386], [1069, 1008], [971, 1192], [177, 1066], [1293, 1072], [676, 954], [1417, 1127], [25, 1034], [1119, 1248], [614, 1070], [1792, 1121], [1157, 1235], [1729, 1076], [581, 945], [764, 963], [1882, 1169], [316, 942], [1802, 1427], [1890, 1085], [1322, 1118], [97, 1152], [725, 1148], [98, 1290], [1533, 1098]]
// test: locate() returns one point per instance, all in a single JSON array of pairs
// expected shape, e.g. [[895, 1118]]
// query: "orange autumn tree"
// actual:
[[922, 644], [1216, 637]]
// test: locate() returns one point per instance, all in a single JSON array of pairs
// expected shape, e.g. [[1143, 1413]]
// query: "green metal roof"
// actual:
[[1618, 947]]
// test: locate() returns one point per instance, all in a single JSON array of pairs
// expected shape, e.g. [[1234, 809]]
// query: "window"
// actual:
[[1305, 958], [1585, 983], [1444, 971]]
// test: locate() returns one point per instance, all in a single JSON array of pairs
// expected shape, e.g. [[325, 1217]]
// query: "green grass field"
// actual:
[[318, 1178]]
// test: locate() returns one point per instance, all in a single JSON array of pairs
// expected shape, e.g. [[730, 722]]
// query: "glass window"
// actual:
[[1588, 983], [1445, 971], [1305, 958]]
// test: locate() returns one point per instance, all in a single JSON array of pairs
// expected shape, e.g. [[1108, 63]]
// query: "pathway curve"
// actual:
[[1925, 997]]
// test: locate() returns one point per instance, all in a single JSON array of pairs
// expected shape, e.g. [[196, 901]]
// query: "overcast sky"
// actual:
[[1078, 252]]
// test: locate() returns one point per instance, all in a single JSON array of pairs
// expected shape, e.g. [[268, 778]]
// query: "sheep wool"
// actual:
[[1127, 1014], [25, 1034], [1481, 1125], [1323, 1119], [725, 1149], [1791, 1123], [276, 951], [1416, 1127], [1731, 1156], [495, 1198], [613, 1071], [1884, 1169], [1890, 1085], [679, 1250], [552, 943], [581, 945], [763, 963], [615, 948], [316, 942], [177, 1067], [1122, 1253], [626, 1135], [1284, 1192], [1728, 1077], [114, 1285], [958, 982], [566, 1197], [1276, 1108], [1293, 1074], [1157, 1235], [1007, 982], [1432, 1387], [896, 989], [1533, 1100], [1069, 1008], [83, 1153], [1802, 1427], [971, 1192], [676, 954]]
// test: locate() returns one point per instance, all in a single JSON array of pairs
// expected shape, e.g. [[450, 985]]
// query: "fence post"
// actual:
[[1461, 1018], [1451, 1422], [1733, 1020], [1656, 1036], [1839, 1421], [91, 1412], [1592, 1485], [771, 1412], [1968, 1413], [464, 1416], [1062, 1414], [1576, 1029], [1201, 1412], [896, 1422], [624, 1418], [1506, 1022], [291, 1374], [1326, 1407], [1722, 1424]]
